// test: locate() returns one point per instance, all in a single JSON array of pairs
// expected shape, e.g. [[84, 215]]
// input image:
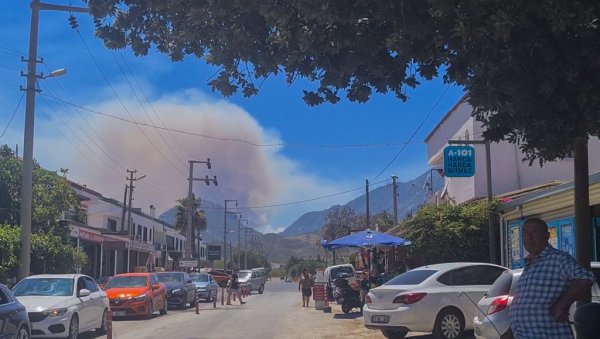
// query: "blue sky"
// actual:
[[306, 152]]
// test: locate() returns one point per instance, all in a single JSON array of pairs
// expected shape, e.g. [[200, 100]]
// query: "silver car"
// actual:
[[206, 286], [492, 319]]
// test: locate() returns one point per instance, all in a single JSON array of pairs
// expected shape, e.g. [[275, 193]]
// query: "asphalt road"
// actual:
[[278, 313]]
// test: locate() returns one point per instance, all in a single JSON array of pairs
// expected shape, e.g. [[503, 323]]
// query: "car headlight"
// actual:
[[141, 297], [176, 291], [56, 312]]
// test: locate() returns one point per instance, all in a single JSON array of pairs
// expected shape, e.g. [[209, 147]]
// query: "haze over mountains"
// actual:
[[301, 237]]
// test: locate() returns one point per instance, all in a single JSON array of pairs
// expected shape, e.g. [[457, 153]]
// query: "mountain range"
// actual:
[[301, 237]]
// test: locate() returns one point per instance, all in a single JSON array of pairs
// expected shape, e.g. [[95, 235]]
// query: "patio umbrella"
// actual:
[[365, 239]]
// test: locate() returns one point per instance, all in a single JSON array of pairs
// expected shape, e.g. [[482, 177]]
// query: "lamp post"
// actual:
[[27, 177], [225, 232], [239, 244]]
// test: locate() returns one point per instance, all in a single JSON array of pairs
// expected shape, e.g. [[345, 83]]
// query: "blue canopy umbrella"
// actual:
[[365, 239]]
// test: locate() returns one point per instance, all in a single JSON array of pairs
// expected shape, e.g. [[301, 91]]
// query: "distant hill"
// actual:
[[411, 195], [301, 238]]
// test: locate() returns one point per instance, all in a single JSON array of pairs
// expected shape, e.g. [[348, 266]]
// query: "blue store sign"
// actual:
[[459, 161]]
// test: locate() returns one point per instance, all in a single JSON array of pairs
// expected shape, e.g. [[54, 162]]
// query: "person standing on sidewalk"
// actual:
[[234, 288], [305, 284], [551, 281]]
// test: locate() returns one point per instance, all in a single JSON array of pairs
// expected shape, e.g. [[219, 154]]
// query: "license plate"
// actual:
[[380, 319], [119, 313]]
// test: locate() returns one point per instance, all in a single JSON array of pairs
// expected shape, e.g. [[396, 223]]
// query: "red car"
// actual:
[[136, 294]]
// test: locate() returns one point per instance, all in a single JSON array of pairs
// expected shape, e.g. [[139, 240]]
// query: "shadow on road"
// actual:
[[354, 315]]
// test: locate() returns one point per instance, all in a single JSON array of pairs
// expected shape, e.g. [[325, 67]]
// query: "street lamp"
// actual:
[[27, 177]]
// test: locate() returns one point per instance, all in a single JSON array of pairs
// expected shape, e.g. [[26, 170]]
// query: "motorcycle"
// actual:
[[348, 297]]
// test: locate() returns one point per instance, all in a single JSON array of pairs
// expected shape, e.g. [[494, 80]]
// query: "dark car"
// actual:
[[14, 322], [181, 291]]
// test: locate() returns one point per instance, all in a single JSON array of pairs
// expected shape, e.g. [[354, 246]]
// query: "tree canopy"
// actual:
[[447, 233], [531, 69]]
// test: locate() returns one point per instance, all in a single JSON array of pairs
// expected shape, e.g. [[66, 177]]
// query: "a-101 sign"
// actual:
[[459, 161]]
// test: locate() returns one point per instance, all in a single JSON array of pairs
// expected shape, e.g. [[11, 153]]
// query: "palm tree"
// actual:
[[198, 218]]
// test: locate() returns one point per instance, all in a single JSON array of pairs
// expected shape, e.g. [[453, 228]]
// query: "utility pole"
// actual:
[[225, 233], [130, 230], [395, 198], [493, 238], [246, 231], [240, 242], [27, 176], [367, 196], [124, 210], [190, 206]]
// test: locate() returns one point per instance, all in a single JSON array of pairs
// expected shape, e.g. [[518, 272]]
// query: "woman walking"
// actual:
[[305, 284]]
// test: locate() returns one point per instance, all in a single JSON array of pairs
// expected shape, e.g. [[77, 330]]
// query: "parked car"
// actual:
[[493, 320], [255, 279], [289, 279], [180, 289], [206, 286], [63, 305], [136, 294], [14, 322], [434, 298]]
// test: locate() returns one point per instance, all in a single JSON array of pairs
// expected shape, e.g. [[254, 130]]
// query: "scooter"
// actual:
[[348, 297]]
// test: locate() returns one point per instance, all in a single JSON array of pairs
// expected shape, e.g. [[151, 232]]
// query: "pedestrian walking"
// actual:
[[551, 281], [305, 284], [234, 288]]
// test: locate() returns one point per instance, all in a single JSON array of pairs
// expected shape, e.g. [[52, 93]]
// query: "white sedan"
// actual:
[[437, 298], [63, 305]]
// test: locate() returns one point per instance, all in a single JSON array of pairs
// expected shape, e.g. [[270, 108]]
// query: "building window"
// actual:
[[150, 237], [111, 225], [139, 231], [145, 237]]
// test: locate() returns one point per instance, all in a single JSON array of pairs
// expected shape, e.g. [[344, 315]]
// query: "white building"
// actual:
[[110, 246], [509, 171]]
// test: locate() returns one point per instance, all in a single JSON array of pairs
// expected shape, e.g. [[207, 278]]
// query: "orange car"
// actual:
[[136, 294]]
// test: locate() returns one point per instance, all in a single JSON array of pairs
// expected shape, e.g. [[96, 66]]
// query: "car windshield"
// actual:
[[413, 277], [131, 281], [342, 272], [200, 278], [245, 275], [102, 280], [170, 277], [53, 287]]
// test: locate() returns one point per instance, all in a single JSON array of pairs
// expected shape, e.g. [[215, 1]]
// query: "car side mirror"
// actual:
[[155, 286], [189, 281], [84, 292]]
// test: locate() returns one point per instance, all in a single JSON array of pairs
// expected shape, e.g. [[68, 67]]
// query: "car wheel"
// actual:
[[183, 304], [103, 326], [346, 308], [261, 289], [150, 311], [163, 311], [22, 333], [73, 327], [394, 334], [449, 324]]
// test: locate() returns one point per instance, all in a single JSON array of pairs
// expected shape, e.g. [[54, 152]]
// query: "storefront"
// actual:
[[554, 205]]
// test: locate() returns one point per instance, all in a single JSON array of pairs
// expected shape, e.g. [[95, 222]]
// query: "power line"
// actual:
[[11, 51], [251, 143], [124, 107], [13, 115], [414, 133]]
